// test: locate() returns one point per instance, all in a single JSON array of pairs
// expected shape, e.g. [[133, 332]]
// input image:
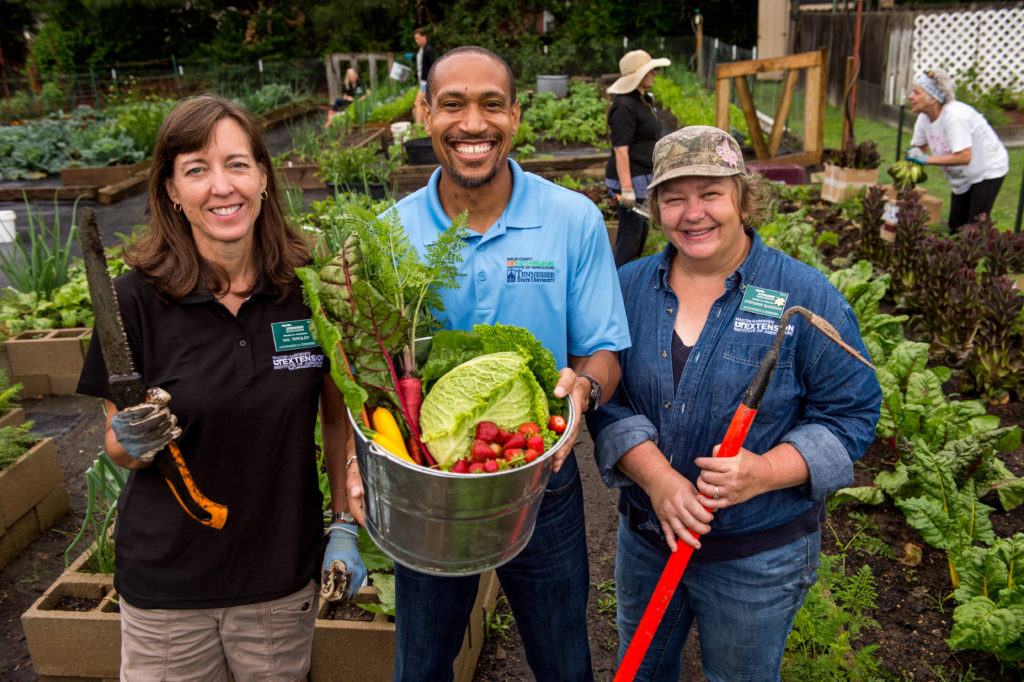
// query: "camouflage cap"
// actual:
[[697, 150]]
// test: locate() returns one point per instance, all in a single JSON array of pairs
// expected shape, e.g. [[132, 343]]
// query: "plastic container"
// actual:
[[399, 72], [7, 226], [451, 524], [420, 152], [556, 84]]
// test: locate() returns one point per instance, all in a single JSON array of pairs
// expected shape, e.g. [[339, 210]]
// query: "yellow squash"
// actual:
[[389, 436]]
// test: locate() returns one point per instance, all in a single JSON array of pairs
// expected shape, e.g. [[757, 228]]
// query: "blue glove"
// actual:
[[143, 430], [343, 569], [917, 156]]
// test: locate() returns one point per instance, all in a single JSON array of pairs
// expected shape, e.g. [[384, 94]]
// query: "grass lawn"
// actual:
[[1003, 212]]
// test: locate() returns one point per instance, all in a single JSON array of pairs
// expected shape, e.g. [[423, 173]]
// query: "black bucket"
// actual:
[[420, 152]]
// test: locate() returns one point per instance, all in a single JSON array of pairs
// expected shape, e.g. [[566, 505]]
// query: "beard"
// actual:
[[470, 182]]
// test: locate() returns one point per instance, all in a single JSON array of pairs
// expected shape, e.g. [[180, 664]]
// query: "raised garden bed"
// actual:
[[101, 176], [360, 649], [32, 498]]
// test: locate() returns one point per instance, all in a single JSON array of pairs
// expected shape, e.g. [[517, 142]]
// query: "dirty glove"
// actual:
[[143, 430], [916, 155], [627, 199], [343, 569]]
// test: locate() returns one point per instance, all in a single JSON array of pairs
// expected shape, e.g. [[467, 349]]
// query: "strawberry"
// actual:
[[481, 451], [516, 440], [530, 455], [461, 466], [535, 443], [487, 432], [476, 468], [491, 466], [503, 436], [527, 428], [512, 453], [496, 448], [557, 423]]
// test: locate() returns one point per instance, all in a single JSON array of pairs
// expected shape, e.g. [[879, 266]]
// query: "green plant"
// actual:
[[8, 394], [863, 156], [498, 622], [337, 165], [42, 265], [821, 645], [104, 480], [794, 234], [380, 570], [14, 441], [684, 96], [576, 119]]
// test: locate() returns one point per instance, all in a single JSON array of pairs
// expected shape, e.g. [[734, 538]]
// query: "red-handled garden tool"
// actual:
[[738, 428]]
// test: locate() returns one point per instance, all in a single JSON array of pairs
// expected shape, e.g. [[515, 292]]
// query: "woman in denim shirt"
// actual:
[[709, 308]]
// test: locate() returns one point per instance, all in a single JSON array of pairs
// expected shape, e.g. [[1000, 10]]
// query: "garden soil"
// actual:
[[914, 610]]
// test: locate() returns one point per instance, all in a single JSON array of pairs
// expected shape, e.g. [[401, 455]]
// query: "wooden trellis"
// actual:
[[767, 149]]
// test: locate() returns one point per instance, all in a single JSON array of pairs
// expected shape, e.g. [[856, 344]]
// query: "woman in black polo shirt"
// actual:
[[634, 128], [214, 317]]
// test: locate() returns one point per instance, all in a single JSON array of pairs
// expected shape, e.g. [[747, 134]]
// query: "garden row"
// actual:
[[958, 298]]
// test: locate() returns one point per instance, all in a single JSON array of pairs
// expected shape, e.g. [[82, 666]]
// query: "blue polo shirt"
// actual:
[[546, 265]]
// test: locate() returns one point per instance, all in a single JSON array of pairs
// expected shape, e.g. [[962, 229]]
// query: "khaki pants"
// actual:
[[263, 641]]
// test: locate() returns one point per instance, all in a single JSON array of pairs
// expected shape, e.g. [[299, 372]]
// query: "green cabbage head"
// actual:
[[498, 387]]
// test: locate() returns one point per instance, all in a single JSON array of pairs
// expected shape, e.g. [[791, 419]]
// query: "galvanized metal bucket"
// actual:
[[451, 524]]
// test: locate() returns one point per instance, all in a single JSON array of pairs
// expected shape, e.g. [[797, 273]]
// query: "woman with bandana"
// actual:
[[961, 142]]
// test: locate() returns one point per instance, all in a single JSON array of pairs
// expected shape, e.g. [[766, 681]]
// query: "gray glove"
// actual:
[[627, 199], [143, 430]]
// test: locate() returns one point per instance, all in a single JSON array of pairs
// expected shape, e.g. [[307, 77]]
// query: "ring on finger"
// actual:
[[716, 493]]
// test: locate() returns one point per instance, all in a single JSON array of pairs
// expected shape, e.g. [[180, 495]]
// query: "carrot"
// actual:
[[414, 450], [411, 390]]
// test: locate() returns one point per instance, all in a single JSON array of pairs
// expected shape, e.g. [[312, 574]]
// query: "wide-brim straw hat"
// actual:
[[633, 67]]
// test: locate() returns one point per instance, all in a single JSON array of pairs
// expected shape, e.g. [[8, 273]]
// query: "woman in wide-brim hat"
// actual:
[[634, 127]]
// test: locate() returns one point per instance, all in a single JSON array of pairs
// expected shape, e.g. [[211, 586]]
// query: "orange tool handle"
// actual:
[[677, 563]]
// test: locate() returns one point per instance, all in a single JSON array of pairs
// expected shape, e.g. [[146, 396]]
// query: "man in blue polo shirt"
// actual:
[[537, 257]]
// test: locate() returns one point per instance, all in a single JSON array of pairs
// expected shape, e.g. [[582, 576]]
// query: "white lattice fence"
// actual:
[[990, 40]]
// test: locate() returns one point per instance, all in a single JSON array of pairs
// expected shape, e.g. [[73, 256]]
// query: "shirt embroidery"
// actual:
[[744, 326], [523, 270], [303, 360]]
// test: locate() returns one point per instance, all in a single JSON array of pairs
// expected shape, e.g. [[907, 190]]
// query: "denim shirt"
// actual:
[[820, 400]]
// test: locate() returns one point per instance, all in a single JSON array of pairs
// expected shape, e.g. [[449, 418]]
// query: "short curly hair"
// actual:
[[942, 80]]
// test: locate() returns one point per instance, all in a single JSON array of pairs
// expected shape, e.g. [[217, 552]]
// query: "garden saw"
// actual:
[[126, 386]]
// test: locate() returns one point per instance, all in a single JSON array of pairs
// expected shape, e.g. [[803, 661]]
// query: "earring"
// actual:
[[177, 208], [264, 195]]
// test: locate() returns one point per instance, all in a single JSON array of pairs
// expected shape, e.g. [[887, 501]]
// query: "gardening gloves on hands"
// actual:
[[343, 569], [917, 156], [143, 430], [627, 199]]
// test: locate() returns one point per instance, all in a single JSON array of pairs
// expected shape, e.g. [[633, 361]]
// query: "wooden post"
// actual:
[[698, 21], [848, 102]]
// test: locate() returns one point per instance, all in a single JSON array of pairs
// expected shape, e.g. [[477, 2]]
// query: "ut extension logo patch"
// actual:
[[526, 270], [300, 360], [747, 326]]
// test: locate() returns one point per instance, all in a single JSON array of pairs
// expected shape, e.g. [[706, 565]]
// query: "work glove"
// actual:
[[627, 199], [343, 569], [143, 430], [917, 156]]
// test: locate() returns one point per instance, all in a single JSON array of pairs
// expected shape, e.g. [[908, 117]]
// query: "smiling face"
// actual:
[[701, 218], [471, 118], [218, 188]]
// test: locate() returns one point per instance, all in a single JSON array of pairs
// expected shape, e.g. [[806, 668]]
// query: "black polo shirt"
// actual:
[[245, 390], [633, 123]]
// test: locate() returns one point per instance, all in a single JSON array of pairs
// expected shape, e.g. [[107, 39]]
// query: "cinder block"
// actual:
[[19, 535], [15, 417], [52, 508], [63, 384], [49, 352], [30, 479], [33, 386]]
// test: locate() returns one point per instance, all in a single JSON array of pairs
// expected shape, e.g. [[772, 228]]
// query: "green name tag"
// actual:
[[292, 335], [763, 301]]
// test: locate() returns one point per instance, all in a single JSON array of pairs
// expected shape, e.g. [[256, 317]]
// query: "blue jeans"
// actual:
[[547, 586], [744, 608]]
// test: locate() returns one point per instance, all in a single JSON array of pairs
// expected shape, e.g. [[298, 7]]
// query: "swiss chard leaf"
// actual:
[[865, 494], [982, 625]]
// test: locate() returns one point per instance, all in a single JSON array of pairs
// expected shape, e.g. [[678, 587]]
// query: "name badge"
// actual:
[[762, 301], [292, 335]]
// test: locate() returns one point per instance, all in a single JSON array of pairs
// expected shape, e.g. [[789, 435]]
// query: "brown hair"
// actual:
[[167, 256], [751, 188], [421, 31]]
